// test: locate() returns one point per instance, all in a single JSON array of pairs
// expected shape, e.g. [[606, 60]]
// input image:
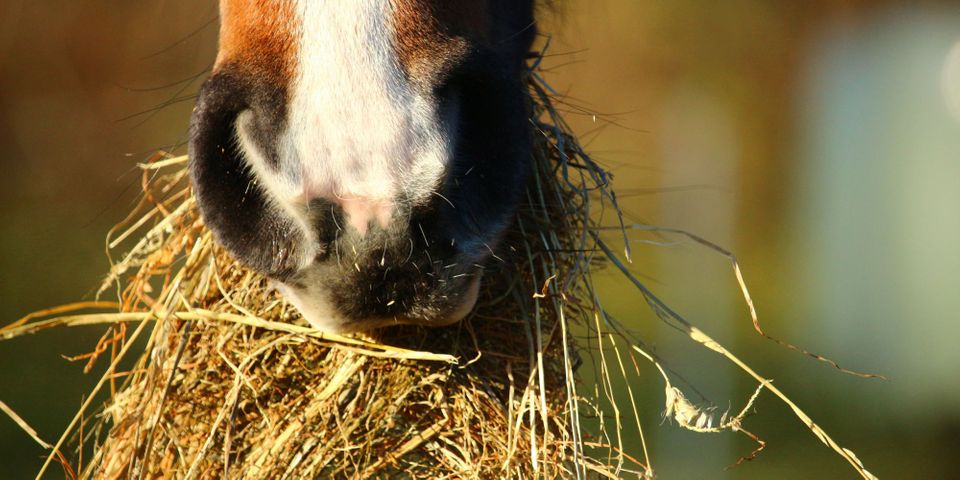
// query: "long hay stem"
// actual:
[[697, 335], [24, 425], [748, 299], [633, 405], [331, 339], [93, 393]]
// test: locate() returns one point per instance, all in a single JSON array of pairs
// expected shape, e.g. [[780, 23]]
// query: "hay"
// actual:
[[231, 383]]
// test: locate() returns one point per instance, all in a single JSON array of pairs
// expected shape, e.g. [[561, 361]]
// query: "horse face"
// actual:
[[365, 154]]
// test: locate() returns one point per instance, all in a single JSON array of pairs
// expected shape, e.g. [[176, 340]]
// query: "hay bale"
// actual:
[[233, 384]]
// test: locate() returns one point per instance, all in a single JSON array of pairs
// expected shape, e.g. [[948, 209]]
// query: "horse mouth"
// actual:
[[319, 311]]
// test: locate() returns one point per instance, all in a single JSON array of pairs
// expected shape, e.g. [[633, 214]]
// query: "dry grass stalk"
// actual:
[[231, 383]]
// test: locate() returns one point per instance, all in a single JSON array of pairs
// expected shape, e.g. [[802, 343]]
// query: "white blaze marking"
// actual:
[[358, 134]]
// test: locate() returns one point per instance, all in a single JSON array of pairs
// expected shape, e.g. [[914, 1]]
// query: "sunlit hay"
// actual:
[[231, 383]]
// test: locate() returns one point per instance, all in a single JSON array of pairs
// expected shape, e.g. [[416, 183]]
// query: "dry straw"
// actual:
[[210, 374]]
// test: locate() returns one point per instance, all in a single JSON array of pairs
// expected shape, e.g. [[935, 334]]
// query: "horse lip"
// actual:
[[466, 305], [327, 320]]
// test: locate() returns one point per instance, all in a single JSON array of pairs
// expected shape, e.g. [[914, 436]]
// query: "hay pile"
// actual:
[[213, 375], [232, 383]]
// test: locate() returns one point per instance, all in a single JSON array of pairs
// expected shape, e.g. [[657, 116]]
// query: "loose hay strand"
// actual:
[[697, 335], [24, 425], [86, 404], [332, 339], [748, 299]]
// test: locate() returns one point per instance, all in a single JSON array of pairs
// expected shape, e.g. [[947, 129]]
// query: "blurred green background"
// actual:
[[818, 140]]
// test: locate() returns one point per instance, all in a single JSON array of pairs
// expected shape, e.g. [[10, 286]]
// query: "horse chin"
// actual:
[[319, 313]]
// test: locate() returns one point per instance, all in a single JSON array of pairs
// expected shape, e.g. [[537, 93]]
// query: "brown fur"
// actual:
[[431, 35], [259, 36]]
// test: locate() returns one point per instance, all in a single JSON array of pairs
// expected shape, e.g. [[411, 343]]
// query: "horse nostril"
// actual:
[[232, 201]]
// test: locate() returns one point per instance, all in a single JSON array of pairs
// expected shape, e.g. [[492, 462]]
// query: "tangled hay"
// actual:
[[230, 382]]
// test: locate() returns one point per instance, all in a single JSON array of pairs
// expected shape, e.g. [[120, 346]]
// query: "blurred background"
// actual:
[[819, 141]]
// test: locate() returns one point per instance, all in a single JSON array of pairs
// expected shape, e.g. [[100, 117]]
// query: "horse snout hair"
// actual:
[[366, 155]]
